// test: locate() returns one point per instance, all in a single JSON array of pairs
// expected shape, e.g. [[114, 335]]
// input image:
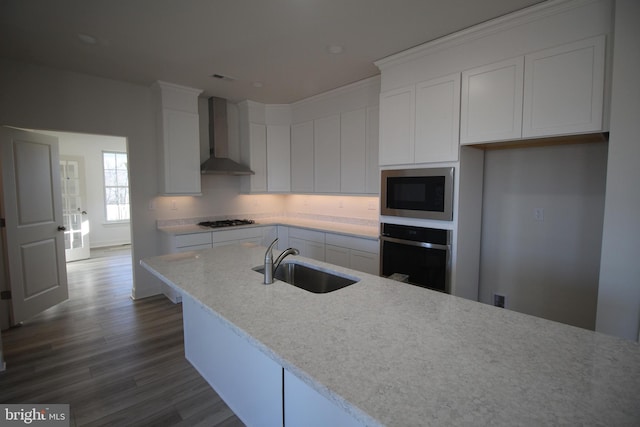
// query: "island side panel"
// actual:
[[248, 381], [306, 407]]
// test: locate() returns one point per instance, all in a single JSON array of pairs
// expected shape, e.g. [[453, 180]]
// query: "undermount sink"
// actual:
[[309, 278]]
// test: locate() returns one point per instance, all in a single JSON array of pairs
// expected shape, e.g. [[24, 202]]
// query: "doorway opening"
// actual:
[[95, 192]]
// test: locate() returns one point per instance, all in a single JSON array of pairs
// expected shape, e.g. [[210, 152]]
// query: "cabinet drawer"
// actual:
[[238, 234], [193, 239], [301, 233], [366, 245]]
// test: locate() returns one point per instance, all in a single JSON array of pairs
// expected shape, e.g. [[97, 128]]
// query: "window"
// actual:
[[116, 186]]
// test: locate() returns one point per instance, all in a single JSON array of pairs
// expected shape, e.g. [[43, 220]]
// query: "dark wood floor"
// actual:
[[114, 360]]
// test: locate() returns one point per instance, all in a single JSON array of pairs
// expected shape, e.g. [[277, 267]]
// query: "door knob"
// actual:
[[62, 228]]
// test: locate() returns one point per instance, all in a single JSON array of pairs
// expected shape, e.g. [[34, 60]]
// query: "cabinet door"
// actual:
[[302, 157], [492, 102], [278, 158], [258, 157], [364, 261], [397, 115], [337, 255], [437, 137], [327, 154], [563, 89], [181, 152], [372, 175], [315, 250], [353, 151]]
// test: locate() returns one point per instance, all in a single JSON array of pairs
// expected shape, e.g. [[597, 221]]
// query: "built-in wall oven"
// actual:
[[416, 255]]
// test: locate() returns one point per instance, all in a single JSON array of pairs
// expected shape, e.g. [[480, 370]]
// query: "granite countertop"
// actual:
[[395, 354], [348, 229]]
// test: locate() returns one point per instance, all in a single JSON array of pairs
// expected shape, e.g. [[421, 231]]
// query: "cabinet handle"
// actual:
[[62, 228]]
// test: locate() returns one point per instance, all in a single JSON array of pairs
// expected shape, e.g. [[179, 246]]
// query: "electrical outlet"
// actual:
[[174, 205], [372, 206], [538, 214], [499, 300]]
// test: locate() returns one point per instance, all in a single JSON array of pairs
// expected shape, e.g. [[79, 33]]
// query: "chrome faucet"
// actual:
[[270, 266]]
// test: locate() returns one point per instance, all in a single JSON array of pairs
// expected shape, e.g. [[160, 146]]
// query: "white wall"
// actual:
[[619, 291], [37, 97], [90, 148], [547, 268]]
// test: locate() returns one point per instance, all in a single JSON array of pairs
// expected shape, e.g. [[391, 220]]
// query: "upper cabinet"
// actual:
[[265, 147], [564, 89], [278, 158], [302, 167], [437, 120], [397, 117], [326, 148], [179, 139], [334, 141], [552, 92], [492, 102], [420, 123]]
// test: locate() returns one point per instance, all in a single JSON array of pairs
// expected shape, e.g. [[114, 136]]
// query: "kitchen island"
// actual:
[[387, 353]]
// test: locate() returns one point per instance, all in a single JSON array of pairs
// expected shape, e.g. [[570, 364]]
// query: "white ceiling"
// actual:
[[280, 43]]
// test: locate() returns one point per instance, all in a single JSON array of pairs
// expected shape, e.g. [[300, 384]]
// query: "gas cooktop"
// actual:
[[226, 223]]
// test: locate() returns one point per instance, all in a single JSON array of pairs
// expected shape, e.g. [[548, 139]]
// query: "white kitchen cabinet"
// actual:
[[492, 102], [310, 243], [278, 158], [237, 235], [326, 148], [437, 123], [248, 381], [564, 89], [353, 151], [191, 242], [352, 252], [397, 118], [372, 171], [254, 154], [303, 406], [337, 255], [302, 164], [179, 139]]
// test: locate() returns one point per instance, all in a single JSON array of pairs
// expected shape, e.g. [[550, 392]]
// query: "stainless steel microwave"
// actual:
[[417, 193]]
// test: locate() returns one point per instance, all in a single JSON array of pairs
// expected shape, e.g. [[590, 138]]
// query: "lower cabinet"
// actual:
[[258, 390], [352, 252], [310, 243]]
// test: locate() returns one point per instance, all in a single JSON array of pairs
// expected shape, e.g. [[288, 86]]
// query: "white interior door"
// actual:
[[75, 218], [33, 238]]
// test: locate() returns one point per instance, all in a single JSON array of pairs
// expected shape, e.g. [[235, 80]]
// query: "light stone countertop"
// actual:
[[348, 229], [398, 355]]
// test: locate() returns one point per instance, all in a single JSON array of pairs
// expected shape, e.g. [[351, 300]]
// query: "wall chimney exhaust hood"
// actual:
[[219, 162]]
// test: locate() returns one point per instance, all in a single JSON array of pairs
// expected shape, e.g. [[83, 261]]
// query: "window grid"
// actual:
[[116, 186]]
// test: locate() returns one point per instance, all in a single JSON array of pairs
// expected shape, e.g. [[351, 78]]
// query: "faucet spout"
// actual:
[[270, 266], [289, 251]]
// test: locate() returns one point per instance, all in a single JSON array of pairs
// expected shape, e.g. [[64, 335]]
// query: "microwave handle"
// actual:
[[412, 243]]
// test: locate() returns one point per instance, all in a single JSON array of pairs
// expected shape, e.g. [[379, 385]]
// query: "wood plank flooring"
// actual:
[[116, 361]]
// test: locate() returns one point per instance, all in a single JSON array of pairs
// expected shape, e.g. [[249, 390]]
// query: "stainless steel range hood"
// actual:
[[219, 162]]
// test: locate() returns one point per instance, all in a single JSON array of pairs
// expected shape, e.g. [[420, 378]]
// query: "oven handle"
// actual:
[[412, 243]]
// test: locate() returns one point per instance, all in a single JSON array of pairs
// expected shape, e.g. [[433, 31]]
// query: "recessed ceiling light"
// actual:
[[87, 39], [257, 84], [335, 49]]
